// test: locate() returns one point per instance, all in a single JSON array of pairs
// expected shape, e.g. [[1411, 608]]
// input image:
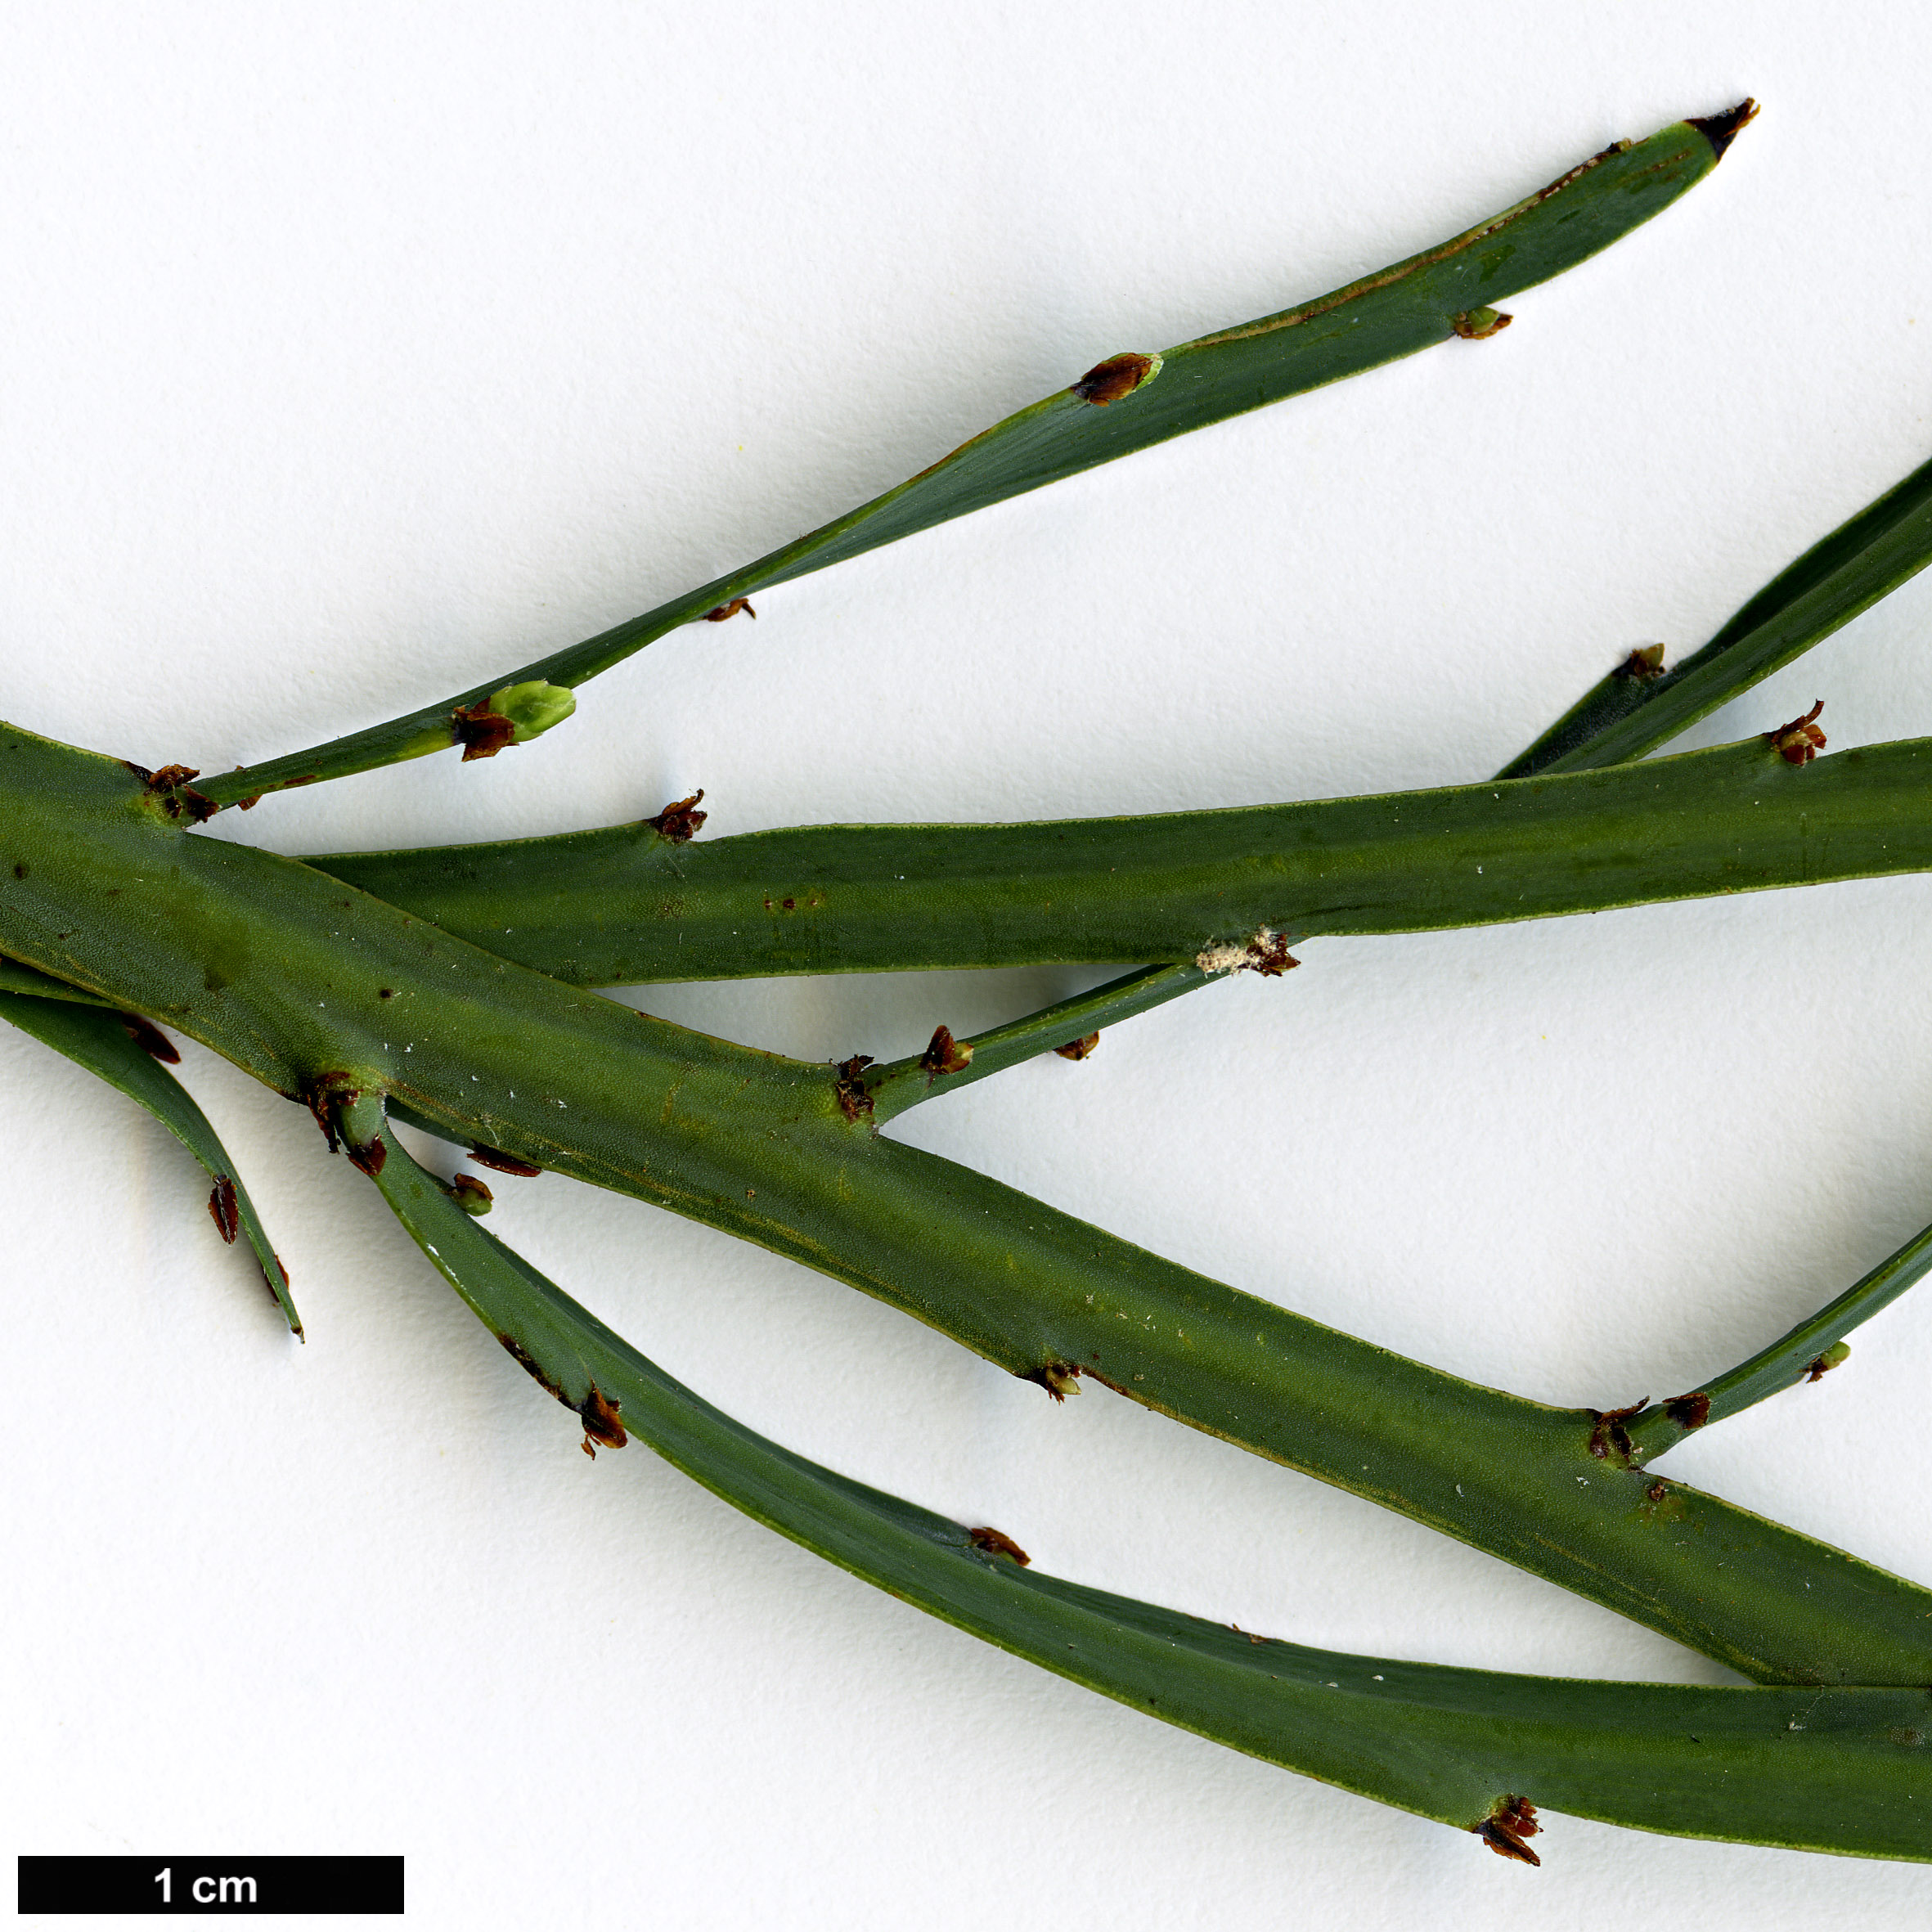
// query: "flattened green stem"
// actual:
[[100, 1042], [1791, 1358], [901, 1083], [1839, 1770], [1128, 404], [16, 978], [621, 906], [1637, 707], [324, 993]]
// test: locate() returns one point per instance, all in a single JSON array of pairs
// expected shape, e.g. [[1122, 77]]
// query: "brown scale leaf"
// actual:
[[944, 1055], [1107, 382], [1078, 1050], [718, 615], [996, 1543], [1800, 741], [680, 820]]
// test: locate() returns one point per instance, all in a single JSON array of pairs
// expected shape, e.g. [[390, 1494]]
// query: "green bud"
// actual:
[[532, 707]]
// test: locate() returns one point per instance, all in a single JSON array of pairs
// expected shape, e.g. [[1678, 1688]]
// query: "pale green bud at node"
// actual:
[[532, 707]]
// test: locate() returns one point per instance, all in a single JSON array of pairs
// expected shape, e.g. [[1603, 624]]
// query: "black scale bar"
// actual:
[[165, 1885]]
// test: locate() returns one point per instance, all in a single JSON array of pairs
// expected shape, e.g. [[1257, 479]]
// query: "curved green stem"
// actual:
[[326, 993], [102, 1042], [1640, 706], [1838, 1770], [625, 906], [1805, 1353], [1127, 404]]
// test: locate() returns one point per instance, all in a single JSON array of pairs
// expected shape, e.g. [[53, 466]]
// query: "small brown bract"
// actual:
[[223, 1208], [996, 1543], [730, 610], [1800, 741], [599, 1414], [1078, 1050], [151, 1039], [944, 1054], [1689, 1412], [1643, 665], [503, 1163], [1119, 375], [855, 1102], [680, 820], [1478, 325], [1610, 1438], [481, 732], [1504, 1831]]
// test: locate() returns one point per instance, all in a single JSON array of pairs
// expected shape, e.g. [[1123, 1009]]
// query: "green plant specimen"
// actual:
[[450, 990]]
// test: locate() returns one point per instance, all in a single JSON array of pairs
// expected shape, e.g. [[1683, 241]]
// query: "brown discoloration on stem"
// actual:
[[1720, 130], [1689, 1412], [944, 1055], [1478, 325], [854, 1101], [481, 732], [1800, 741], [1610, 1439], [1643, 665], [680, 820], [489, 1157], [718, 615], [1401, 270], [1119, 375], [530, 1364], [225, 1210], [1078, 1050], [599, 1414], [151, 1039], [996, 1543], [1504, 1831]]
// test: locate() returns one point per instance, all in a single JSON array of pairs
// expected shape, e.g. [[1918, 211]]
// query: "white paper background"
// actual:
[[353, 353]]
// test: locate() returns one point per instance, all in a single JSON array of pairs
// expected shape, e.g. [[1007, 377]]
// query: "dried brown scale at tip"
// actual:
[[680, 820], [599, 1414], [1119, 375], [530, 1365], [854, 1101], [481, 732], [1689, 1412], [730, 610], [503, 1163], [225, 1210], [178, 799], [996, 1543], [1478, 325], [471, 1194], [1800, 741], [1504, 1831], [323, 1095], [1610, 1437], [1720, 130], [944, 1055], [1273, 959], [1643, 665], [1078, 1050], [151, 1039]]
